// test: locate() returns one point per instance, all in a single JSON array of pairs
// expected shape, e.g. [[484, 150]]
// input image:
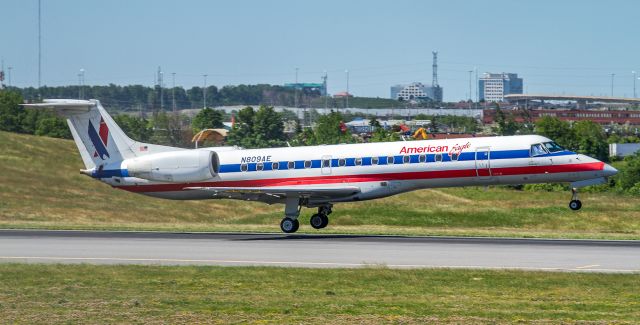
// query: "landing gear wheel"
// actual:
[[288, 225], [325, 220], [575, 205], [317, 221]]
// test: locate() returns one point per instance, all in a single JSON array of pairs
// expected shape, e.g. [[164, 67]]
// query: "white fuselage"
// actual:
[[381, 169]]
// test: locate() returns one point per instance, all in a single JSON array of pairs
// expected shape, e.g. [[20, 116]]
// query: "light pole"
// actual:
[[161, 82], [295, 91], [634, 83], [612, 76], [81, 84], [9, 75], [173, 90], [204, 91], [347, 97]]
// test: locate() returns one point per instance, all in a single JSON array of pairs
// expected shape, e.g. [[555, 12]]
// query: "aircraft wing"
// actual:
[[281, 192]]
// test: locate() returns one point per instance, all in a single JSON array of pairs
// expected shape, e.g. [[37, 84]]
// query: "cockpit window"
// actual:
[[553, 147], [538, 150]]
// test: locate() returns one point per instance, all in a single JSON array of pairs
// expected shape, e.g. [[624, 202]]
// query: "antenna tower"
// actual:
[[434, 81]]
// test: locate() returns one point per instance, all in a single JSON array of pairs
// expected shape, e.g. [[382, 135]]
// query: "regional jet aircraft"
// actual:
[[317, 176]]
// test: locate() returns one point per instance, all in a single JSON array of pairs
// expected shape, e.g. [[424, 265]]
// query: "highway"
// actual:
[[244, 249]]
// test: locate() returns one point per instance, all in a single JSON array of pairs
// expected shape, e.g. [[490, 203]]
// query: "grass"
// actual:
[[189, 294], [40, 187]]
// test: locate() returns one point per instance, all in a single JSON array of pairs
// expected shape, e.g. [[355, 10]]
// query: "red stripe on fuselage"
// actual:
[[361, 178]]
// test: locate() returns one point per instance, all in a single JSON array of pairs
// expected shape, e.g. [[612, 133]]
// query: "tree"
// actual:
[[506, 124], [591, 140], [168, 129], [53, 127], [11, 113], [260, 129], [380, 134], [207, 118], [268, 128], [629, 176], [557, 130], [137, 128], [328, 130]]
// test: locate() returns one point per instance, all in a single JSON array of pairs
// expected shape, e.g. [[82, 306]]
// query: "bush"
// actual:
[[547, 187]]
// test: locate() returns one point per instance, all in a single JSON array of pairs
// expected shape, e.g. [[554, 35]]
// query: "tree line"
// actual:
[[138, 97]]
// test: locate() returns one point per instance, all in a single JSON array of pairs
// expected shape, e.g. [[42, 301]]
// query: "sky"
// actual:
[[557, 47]]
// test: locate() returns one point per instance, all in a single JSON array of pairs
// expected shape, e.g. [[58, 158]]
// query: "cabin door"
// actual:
[[326, 165], [483, 162]]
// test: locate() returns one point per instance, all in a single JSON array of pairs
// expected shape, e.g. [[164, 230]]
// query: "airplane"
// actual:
[[316, 176]]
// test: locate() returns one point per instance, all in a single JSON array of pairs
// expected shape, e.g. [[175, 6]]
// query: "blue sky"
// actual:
[[561, 47]]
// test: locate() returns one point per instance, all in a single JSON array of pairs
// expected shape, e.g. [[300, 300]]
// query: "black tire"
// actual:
[[325, 220], [317, 221], [575, 205], [288, 225]]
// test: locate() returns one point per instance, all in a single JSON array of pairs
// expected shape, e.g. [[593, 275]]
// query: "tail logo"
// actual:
[[99, 139]]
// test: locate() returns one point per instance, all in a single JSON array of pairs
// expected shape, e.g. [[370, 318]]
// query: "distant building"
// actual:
[[494, 86], [342, 94], [416, 91], [601, 117], [307, 87]]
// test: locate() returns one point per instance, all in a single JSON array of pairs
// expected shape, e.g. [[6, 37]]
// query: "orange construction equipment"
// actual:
[[420, 133]]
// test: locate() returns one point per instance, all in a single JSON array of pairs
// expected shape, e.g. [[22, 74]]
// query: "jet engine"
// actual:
[[177, 166]]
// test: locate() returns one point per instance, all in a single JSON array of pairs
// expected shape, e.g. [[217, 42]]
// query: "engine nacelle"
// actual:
[[177, 166]]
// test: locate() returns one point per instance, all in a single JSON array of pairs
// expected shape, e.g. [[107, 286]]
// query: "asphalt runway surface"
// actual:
[[339, 251]]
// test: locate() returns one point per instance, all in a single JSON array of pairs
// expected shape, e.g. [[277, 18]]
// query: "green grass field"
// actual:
[[182, 294], [40, 187]]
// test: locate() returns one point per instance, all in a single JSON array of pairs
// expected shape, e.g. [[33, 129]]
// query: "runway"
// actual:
[[317, 251]]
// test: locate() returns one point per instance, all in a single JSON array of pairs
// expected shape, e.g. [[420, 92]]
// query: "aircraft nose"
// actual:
[[609, 170]]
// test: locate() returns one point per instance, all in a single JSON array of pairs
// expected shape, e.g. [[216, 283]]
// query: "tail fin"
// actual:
[[100, 140]]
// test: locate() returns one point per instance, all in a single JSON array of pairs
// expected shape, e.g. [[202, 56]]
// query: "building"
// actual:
[[601, 117], [492, 87], [307, 87], [342, 94], [416, 91]]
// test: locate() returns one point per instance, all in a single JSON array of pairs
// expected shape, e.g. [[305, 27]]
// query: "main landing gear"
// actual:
[[574, 204], [293, 205], [320, 219]]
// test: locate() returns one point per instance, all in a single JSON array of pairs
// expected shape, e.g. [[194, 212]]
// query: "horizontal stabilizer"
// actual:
[[66, 107]]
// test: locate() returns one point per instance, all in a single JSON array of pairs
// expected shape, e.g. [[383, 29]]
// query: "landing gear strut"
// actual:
[[574, 204], [320, 219]]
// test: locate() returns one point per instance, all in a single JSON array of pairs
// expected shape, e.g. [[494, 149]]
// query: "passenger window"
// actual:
[[342, 162], [291, 165], [422, 158], [275, 166], [244, 167], [406, 159], [374, 160], [390, 160], [358, 161], [259, 166], [307, 164], [326, 163], [538, 150], [454, 156], [438, 157]]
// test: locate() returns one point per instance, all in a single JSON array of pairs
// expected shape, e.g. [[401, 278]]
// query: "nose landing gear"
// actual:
[[575, 204]]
